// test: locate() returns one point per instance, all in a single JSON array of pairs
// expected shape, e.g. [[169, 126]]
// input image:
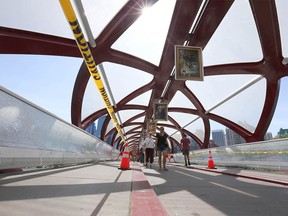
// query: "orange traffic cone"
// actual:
[[125, 162], [210, 161]]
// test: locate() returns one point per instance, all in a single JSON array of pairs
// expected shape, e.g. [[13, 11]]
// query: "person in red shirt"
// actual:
[[185, 142]]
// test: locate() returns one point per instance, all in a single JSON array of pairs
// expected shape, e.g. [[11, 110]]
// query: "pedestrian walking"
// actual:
[[149, 142], [185, 142], [162, 147]]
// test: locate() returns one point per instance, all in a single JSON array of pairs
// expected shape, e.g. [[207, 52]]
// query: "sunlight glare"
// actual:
[[147, 17]]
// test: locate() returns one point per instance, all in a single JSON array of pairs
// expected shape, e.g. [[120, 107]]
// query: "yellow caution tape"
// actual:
[[89, 60]]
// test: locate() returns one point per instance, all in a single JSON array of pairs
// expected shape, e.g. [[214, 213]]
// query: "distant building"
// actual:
[[96, 130], [219, 137], [282, 132], [91, 129], [233, 138], [99, 126]]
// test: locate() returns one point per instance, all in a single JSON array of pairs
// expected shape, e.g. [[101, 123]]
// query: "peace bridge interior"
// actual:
[[251, 78], [244, 46]]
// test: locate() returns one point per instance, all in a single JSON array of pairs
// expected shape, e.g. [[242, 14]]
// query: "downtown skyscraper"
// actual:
[[219, 138]]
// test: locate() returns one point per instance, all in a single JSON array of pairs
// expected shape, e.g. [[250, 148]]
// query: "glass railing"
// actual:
[[272, 154], [33, 137]]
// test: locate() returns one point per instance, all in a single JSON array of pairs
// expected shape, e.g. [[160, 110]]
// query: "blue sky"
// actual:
[[42, 80]]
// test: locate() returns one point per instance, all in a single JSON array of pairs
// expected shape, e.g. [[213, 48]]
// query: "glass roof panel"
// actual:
[[227, 44], [246, 107], [169, 130], [182, 118], [151, 29], [118, 76], [131, 129], [180, 100], [110, 126], [35, 16], [197, 128], [141, 119], [128, 128], [282, 6], [214, 89], [127, 114], [142, 99], [99, 13], [92, 100], [177, 136], [117, 136]]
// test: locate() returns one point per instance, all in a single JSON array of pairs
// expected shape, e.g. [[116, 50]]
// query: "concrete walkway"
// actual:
[[99, 189], [103, 189], [204, 192]]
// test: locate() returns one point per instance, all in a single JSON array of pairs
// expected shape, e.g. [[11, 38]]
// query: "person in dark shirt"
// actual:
[[162, 147]]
